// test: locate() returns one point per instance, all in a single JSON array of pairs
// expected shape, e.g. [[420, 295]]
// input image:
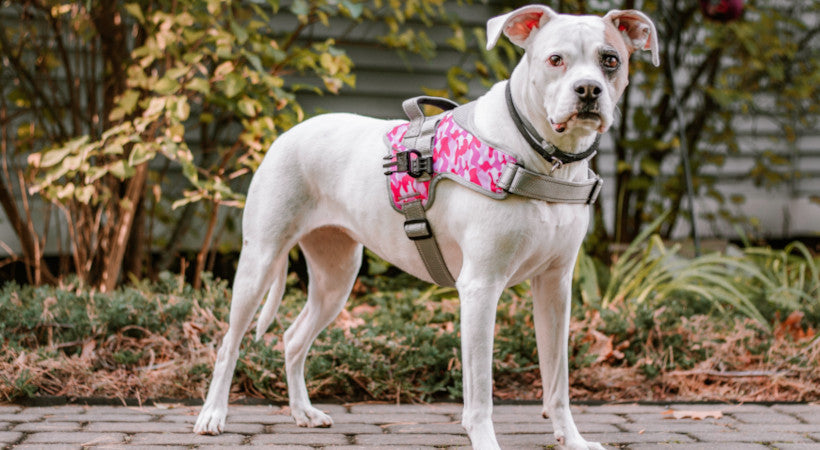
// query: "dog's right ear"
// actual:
[[518, 25]]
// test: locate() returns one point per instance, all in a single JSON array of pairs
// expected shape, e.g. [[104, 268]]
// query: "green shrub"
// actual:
[[653, 313]]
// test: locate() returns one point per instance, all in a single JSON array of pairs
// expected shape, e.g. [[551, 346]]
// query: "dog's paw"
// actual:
[[210, 421], [311, 417], [578, 444], [482, 435]]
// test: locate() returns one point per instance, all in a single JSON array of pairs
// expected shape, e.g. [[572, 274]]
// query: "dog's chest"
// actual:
[[549, 235]]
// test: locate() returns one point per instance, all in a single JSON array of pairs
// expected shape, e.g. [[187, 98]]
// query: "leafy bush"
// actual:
[[152, 88], [662, 313], [653, 326]]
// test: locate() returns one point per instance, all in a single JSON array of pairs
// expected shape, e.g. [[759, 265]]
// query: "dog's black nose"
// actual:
[[588, 90]]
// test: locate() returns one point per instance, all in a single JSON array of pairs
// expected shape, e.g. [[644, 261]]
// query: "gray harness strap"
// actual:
[[419, 137], [418, 230], [517, 180], [420, 133]]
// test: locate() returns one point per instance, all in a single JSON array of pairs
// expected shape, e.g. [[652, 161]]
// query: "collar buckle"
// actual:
[[556, 164]]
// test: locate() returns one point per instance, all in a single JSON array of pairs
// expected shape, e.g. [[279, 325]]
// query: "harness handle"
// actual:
[[413, 108]]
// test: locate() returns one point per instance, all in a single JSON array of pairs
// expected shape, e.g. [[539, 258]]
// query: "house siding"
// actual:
[[385, 77]]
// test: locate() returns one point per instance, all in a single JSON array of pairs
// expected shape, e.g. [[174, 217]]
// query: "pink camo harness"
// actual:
[[457, 155]]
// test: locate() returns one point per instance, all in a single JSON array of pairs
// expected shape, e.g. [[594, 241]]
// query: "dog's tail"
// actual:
[[274, 298]]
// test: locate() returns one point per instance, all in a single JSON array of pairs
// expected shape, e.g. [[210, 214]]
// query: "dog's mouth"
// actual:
[[588, 115], [581, 116]]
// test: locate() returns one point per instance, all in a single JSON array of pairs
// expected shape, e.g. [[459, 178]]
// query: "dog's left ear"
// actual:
[[637, 29], [518, 25]]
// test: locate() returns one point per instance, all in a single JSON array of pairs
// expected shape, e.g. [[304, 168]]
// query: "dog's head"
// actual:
[[577, 66]]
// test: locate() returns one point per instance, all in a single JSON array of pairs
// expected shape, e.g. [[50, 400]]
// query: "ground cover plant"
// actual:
[[652, 326]]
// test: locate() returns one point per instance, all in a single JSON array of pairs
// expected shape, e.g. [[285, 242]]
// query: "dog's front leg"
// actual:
[[478, 310], [551, 292]]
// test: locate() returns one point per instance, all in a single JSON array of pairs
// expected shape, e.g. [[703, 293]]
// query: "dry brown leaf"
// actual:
[[88, 350], [793, 327], [346, 321], [696, 415], [363, 309], [601, 345], [165, 406]]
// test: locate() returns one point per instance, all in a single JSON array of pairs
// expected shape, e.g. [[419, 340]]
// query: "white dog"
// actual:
[[322, 186]]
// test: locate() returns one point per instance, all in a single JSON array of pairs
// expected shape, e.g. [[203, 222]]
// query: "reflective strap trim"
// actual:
[[418, 229], [517, 180]]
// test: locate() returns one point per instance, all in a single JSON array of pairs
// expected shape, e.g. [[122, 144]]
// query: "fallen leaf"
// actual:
[[696, 415], [346, 321], [793, 327], [88, 350], [363, 309], [601, 345], [165, 406]]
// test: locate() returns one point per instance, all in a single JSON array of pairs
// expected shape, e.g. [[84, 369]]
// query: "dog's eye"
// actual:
[[555, 60], [610, 62]]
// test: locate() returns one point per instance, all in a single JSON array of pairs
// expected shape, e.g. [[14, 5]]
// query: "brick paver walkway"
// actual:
[[632, 426]]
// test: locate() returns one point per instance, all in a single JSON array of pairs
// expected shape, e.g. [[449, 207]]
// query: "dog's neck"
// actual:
[[495, 125]]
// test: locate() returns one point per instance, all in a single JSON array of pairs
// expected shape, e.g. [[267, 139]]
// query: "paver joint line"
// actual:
[[636, 426]]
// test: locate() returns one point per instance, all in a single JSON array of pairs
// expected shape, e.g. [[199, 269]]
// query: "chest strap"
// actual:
[[419, 231], [517, 180], [419, 142]]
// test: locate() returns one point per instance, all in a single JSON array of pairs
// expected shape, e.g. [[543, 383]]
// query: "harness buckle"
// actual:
[[418, 229], [417, 167]]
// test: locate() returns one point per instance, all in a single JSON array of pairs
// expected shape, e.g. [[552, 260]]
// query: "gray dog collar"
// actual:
[[548, 151]]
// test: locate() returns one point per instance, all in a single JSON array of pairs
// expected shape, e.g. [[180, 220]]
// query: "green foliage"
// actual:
[[761, 65], [788, 280], [20, 387], [654, 313], [36, 316], [68, 340], [758, 283], [653, 304], [200, 88]]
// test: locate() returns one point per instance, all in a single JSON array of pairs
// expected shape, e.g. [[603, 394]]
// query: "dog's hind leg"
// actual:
[[277, 290], [253, 276], [333, 261]]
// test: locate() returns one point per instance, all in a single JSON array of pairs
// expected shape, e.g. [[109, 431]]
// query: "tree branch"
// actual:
[[23, 74]]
